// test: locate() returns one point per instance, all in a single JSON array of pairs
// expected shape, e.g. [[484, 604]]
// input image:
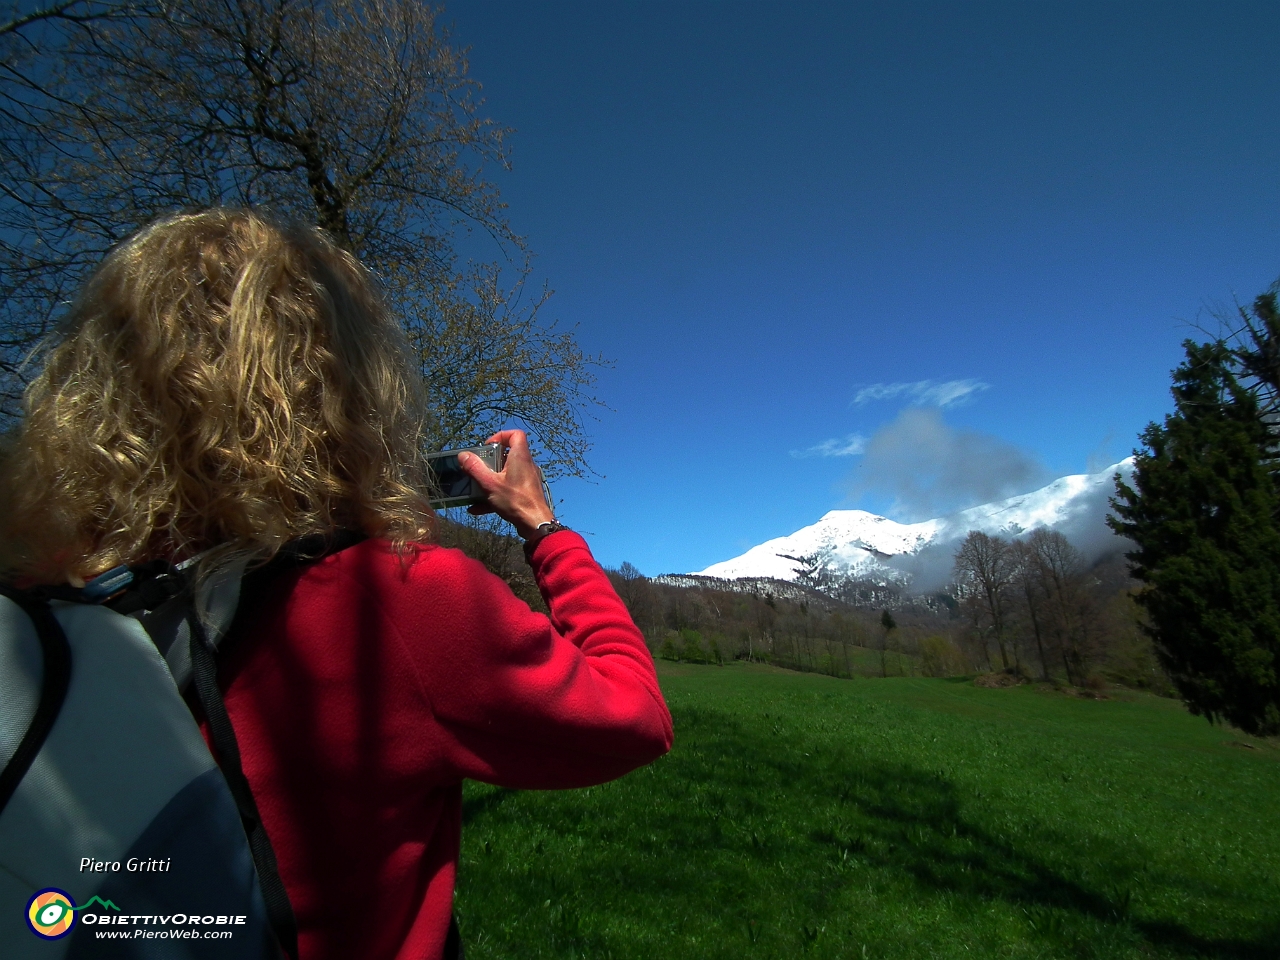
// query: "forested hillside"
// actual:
[[1059, 620]]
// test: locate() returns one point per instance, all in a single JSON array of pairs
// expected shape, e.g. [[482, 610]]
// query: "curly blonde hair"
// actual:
[[222, 384]]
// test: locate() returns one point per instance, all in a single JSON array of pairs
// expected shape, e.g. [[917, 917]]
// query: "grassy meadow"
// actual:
[[799, 815]]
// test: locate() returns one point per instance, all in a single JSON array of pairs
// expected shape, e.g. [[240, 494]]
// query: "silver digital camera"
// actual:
[[451, 486]]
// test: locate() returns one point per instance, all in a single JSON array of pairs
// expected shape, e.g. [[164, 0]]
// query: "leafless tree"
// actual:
[[1063, 583], [636, 592], [1030, 587], [630, 584], [40, 255], [985, 564], [488, 361], [355, 115], [839, 634]]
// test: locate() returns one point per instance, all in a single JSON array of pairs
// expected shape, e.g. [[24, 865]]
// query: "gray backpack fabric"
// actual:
[[120, 834]]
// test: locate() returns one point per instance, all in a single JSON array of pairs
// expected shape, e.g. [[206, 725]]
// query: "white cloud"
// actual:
[[932, 469], [850, 446], [923, 393]]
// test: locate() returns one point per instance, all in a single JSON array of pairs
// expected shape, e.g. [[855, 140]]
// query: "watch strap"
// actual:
[[544, 529]]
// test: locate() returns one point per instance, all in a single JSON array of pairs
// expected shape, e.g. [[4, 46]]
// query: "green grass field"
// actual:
[[804, 816]]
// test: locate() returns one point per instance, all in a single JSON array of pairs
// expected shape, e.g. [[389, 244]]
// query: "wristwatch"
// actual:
[[543, 529]]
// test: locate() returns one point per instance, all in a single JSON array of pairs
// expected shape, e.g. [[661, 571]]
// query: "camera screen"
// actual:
[[449, 477]]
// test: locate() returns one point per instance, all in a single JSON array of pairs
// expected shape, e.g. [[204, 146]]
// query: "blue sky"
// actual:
[[895, 256]]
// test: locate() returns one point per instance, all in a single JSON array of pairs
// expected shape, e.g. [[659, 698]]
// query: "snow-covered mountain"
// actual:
[[865, 545]]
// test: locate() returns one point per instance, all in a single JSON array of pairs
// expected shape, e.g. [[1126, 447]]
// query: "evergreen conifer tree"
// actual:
[[1203, 513]]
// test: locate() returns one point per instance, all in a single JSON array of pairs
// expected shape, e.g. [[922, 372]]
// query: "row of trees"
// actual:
[[1031, 600], [711, 624], [358, 116], [1052, 617], [1034, 606]]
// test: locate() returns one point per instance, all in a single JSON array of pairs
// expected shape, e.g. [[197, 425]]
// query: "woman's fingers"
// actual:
[[515, 492]]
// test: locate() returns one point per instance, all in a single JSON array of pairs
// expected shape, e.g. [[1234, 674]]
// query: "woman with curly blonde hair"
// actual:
[[221, 381], [224, 384]]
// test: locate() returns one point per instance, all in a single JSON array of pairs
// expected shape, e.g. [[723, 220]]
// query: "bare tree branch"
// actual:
[[356, 115]]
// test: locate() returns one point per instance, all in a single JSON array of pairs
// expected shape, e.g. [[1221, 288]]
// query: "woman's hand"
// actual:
[[515, 492]]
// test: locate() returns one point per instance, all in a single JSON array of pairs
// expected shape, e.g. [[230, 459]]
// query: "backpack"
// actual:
[[121, 835]]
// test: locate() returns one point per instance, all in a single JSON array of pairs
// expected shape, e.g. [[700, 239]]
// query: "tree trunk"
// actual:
[[1035, 626]]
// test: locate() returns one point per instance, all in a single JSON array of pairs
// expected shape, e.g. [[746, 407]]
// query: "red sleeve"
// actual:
[[530, 702]]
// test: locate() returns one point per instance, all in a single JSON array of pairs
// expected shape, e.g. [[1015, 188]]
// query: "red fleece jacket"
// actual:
[[362, 694]]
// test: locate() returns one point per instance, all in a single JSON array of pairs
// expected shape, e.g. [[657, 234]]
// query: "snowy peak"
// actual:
[[853, 538], [1052, 506], [863, 544]]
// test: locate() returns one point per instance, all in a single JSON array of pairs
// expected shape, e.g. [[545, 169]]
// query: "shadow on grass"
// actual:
[[477, 805], [731, 795], [911, 821]]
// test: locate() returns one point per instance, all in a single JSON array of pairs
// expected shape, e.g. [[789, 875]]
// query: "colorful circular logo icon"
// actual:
[[51, 913]]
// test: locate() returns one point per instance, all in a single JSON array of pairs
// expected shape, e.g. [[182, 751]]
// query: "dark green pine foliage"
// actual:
[[1203, 513]]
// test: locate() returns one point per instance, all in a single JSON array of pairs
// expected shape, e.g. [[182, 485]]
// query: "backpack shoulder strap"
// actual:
[[308, 549], [205, 676], [53, 687], [202, 653], [205, 671], [160, 595]]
